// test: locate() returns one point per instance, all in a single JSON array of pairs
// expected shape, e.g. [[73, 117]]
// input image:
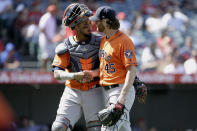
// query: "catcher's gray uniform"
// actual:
[[111, 96], [75, 100]]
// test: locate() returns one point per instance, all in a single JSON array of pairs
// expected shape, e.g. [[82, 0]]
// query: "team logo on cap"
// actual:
[[128, 54]]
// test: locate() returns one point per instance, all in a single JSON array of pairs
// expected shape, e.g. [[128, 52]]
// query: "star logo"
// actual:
[[128, 54]]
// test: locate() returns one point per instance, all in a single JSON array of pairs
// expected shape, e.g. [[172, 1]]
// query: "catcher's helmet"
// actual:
[[74, 14]]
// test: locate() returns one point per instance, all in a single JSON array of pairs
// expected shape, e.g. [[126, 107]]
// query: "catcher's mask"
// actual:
[[75, 14]]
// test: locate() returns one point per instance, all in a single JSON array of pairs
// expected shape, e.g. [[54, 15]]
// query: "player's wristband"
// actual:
[[66, 75]]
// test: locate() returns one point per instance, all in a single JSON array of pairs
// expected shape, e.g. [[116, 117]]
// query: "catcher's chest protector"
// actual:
[[84, 55]]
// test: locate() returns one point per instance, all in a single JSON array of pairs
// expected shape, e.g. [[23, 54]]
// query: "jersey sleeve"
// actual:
[[62, 60], [128, 53]]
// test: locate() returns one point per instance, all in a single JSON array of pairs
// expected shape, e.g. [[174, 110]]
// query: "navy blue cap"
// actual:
[[103, 12]]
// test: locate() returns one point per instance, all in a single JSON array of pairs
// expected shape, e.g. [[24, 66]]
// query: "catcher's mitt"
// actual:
[[141, 90], [111, 115]]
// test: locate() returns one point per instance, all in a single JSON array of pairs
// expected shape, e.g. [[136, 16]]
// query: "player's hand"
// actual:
[[79, 76], [89, 74], [82, 77]]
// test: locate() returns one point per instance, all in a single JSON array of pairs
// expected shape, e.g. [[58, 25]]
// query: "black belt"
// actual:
[[111, 86], [95, 86]]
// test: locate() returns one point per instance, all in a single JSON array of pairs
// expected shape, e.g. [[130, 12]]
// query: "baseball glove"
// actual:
[[111, 115], [141, 90]]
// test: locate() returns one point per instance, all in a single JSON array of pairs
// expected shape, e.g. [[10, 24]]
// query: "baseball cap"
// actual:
[[103, 12]]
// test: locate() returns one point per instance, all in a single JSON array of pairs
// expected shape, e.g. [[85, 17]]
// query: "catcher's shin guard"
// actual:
[[61, 124], [94, 126]]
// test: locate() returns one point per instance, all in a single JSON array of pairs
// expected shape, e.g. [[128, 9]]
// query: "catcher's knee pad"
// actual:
[[61, 124], [94, 126]]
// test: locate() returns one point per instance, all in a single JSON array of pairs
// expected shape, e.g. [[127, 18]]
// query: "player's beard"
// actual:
[[85, 34], [100, 28]]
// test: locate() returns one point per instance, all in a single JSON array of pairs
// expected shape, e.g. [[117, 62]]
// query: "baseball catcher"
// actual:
[[76, 54]]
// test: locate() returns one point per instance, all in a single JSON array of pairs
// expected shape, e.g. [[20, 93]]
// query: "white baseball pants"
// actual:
[[111, 97], [75, 102]]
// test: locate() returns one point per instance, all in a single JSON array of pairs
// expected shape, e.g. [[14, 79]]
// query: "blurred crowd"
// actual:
[[164, 32], [165, 36]]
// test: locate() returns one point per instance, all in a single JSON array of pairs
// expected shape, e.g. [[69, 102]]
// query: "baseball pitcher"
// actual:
[[117, 71]]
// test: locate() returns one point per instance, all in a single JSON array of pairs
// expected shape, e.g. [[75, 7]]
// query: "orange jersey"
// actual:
[[77, 57], [62, 61], [115, 54]]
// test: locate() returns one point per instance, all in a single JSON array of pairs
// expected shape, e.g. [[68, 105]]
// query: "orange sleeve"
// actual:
[[128, 53], [62, 60]]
